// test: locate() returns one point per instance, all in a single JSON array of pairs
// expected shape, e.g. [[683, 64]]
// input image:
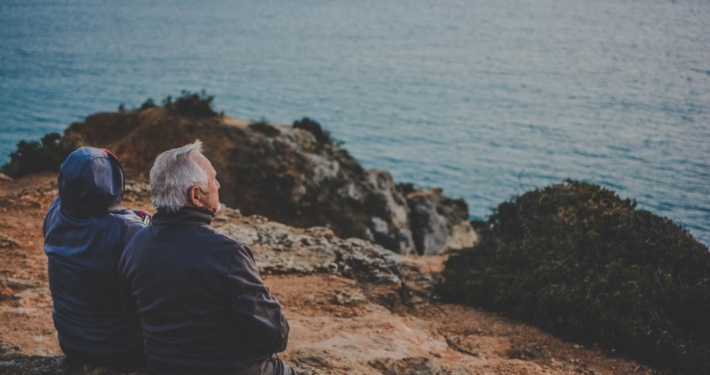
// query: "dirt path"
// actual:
[[338, 325]]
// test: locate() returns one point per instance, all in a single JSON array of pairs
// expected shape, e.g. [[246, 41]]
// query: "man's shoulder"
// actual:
[[224, 248], [223, 239]]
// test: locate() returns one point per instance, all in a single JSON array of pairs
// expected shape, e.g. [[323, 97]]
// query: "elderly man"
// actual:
[[202, 304]]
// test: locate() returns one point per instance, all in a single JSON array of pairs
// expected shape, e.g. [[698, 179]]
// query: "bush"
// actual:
[[264, 128], [322, 136], [406, 188], [48, 154], [580, 262], [190, 104], [148, 104]]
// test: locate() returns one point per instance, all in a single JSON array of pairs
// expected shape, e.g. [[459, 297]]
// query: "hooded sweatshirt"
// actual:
[[85, 232]]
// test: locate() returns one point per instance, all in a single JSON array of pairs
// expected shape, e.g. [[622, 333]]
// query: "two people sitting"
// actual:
[[173, 297]]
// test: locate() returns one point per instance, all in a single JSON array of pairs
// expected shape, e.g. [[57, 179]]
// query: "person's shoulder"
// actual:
[[125, 219], [223, 238], [125, 216], [226, 249]]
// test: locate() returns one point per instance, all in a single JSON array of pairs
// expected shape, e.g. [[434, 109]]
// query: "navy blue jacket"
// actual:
[[85, 231], [203, 306]]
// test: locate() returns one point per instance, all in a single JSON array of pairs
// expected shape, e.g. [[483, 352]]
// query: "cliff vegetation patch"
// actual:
[[264, 128], [576, 260], [322, 136], [188, 104], [47, 154]]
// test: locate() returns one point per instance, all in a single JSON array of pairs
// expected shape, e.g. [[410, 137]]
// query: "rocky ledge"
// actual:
[[280, 249]]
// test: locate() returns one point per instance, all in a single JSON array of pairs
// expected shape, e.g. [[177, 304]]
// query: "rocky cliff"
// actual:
[[291, 175]]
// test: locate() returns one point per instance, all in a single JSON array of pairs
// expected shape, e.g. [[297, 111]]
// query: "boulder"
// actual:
[[279, 249], [439, 222]]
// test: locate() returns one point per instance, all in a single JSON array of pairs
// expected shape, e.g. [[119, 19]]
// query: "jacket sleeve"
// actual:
[[128, 303], [49, 217], [256, 312]]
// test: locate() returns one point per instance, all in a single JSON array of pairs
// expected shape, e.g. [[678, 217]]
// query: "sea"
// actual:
[[484, 98]]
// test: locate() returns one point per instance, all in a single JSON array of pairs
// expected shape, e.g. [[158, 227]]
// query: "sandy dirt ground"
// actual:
[[338, 325]]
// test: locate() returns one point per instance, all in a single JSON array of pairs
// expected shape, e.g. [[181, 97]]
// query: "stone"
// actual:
[[8, 242], [6, 292], [439, 223], [413, 366], [279, 249]]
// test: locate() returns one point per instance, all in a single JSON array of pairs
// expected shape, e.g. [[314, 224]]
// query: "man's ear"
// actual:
[[193, 197]]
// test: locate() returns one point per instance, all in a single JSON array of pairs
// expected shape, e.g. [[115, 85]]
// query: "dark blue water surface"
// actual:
[[485, 98]]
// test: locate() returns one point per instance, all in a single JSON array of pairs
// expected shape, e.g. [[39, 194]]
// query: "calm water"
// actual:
[[485, 98]]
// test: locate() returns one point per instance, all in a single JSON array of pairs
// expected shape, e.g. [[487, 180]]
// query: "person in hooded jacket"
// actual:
[[85, 232]]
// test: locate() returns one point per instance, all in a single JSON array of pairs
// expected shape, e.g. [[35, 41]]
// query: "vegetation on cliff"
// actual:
[[190, 104], [197, 104], [322, 136], [264, 128], [575, 259], [46, 154]]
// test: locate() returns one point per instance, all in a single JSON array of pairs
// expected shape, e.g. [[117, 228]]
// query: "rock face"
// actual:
[[13, 361], [438, 222], [288, 175], [414, 366], [278, 249]]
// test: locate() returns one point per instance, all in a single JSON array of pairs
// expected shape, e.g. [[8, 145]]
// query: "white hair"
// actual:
[[173, 174]]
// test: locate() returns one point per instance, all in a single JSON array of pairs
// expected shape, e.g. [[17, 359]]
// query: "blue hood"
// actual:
[[91, 182]]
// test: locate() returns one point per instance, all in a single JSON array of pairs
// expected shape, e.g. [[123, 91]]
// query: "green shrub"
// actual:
[[406, 188], [190, 104], [148, 104], [580, 262], [264, 128], [48, 154], [322, 136]]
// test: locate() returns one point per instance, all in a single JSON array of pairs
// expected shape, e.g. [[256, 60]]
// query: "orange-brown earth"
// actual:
[[339, 325]]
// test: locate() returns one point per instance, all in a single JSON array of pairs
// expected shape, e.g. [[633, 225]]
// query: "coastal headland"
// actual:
[[337, 244], [297, 175], [354, 307]]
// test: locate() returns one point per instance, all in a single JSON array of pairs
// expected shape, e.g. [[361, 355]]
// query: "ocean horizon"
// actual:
[[485, 99]]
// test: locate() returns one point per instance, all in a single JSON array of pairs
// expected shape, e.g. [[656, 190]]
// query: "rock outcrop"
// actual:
[[289, 175], [278, 249], [414, 366], [13, 361], [439, 222]]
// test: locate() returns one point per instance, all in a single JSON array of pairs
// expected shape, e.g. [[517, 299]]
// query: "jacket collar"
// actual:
[[185, 216]]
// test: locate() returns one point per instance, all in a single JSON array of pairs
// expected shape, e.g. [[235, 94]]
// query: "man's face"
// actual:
[[208, 199]]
